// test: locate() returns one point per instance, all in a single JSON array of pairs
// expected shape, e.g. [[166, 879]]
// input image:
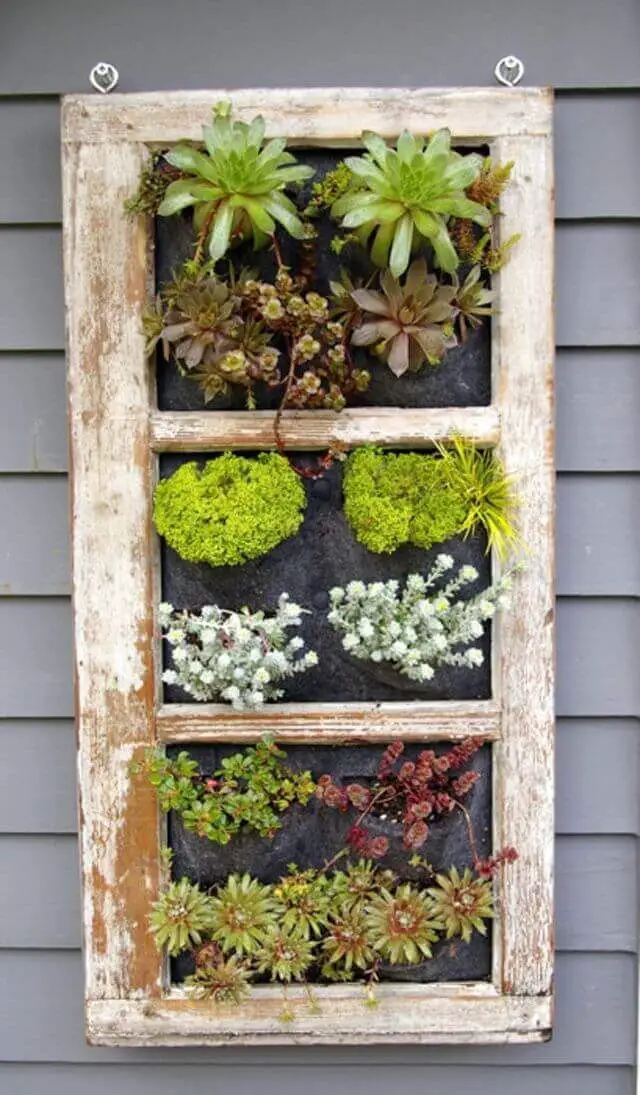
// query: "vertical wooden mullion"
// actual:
[[523, 758], [109, 400]]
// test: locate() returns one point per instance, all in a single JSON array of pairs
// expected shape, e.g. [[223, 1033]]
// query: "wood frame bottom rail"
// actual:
[[472, 1013], [347, 723]]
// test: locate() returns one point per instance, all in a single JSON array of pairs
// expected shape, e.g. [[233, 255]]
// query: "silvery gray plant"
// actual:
[[236, 657], [421, 626]]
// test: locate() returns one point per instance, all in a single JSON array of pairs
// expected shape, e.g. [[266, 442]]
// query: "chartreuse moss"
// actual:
[[392, 499], [231, 510]]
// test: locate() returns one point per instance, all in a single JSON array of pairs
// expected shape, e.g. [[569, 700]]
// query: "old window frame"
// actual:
[[116, 435]]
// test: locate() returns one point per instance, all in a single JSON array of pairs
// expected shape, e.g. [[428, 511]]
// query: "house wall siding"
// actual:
[[589, 50]]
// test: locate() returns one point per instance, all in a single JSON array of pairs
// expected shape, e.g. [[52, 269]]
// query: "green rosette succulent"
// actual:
[[409, 193], [236, 185]]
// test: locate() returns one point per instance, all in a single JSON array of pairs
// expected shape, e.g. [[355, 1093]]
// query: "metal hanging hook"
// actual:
[[509, 70], [104, 77]]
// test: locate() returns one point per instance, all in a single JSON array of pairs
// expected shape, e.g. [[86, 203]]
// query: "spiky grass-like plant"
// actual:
[[410, 191], [225, 982], [489, 496], [236, 185], [284, 955], [242, 914], [402, 925], [462, 903], [180, 917], [407, 322]]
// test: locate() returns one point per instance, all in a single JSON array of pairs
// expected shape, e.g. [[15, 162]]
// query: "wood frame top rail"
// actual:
[[331, 722], [202, 431], [308, 116]]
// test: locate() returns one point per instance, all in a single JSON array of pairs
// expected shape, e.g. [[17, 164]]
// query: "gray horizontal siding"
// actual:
[[35, 652], [35, 544], [146, 1079], [597, 776], [595, 1022], [327, 44], [598, 409], [44, 802], [592, 132], [31, 293], [597, 520], [33, 413], [595, 893], [597, 678], [30, 176], [597, 277], [598, 784]]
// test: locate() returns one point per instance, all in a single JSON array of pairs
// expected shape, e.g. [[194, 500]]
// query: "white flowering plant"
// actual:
[[237, 657], [422, 626]]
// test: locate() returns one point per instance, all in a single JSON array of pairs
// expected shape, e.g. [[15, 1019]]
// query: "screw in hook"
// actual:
[[104, 77], [509, 70]]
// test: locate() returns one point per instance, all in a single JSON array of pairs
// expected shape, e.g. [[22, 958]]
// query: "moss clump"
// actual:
[[231, 510], [391, 499]]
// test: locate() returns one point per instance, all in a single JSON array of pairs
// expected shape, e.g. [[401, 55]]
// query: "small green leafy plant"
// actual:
[[410, 192], [236, 185], [230, 510], [391, 499], [251, 790]]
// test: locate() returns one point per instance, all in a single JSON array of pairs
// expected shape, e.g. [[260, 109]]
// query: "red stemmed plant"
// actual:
[[414, 792]]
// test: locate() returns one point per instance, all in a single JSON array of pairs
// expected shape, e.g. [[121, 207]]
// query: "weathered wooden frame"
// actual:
[[116, 432]]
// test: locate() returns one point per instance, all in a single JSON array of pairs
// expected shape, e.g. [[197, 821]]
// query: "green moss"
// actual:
[[231, 510], [393, 499]]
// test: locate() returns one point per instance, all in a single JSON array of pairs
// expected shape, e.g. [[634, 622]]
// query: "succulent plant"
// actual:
[[242, 913], [211, 337], [225, 981], [410, 192], [236, 185], [359, 881], [402, 925], [180, 917], [407, 323], [284, 955], [346, 945], [304, 898], [462, 903], [472, 301]]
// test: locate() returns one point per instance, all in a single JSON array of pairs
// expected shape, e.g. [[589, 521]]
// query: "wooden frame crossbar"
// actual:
[[116, 435]]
